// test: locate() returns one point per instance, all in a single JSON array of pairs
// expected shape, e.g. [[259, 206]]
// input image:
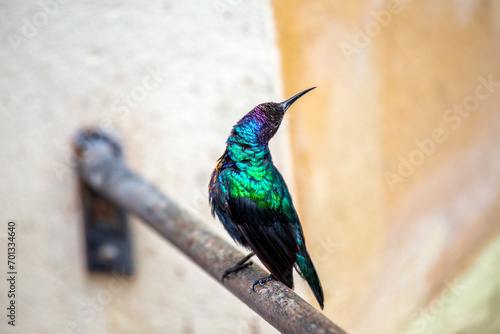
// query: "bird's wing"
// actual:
[[266, 229]]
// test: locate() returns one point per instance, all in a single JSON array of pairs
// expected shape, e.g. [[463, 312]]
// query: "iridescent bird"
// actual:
[[251, 199]]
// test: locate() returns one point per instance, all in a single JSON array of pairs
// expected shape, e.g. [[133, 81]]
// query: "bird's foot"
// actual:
[[241, 264], [262, 281]]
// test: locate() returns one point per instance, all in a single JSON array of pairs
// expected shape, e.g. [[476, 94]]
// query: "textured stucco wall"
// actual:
[[172, 78]]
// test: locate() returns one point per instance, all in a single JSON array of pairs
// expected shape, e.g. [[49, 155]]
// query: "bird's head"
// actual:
[[268, 116]]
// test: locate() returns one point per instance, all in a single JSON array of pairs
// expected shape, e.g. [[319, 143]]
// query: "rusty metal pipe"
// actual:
[[101, 166]]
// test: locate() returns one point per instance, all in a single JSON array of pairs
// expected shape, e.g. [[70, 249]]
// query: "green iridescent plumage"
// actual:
[[250, 197]]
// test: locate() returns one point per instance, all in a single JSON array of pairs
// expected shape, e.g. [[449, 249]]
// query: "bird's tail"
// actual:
[[305, 268]]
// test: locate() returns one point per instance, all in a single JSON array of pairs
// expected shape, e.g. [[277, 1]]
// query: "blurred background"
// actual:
[[393, 161]]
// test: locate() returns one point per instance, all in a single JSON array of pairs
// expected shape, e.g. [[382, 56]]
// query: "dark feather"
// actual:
[[268, 234]]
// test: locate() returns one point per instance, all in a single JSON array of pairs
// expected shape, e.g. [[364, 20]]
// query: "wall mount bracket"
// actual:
[[107, 233]]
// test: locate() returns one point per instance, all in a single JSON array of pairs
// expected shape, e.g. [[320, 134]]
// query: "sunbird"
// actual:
[[253, 203]]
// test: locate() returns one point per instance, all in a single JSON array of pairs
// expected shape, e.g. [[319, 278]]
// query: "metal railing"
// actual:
[[102, 168]]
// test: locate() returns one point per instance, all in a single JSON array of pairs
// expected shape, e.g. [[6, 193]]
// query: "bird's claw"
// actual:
[[241, 264], [262, 281], [235, 268]]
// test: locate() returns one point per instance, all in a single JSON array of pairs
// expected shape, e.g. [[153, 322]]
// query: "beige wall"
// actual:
[[390, 237], [190, 70]]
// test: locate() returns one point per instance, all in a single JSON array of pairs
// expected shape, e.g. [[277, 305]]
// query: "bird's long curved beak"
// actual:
[[286, 104]]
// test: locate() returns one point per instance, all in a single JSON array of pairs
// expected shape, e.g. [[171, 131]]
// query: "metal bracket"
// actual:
[[107, 233]]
